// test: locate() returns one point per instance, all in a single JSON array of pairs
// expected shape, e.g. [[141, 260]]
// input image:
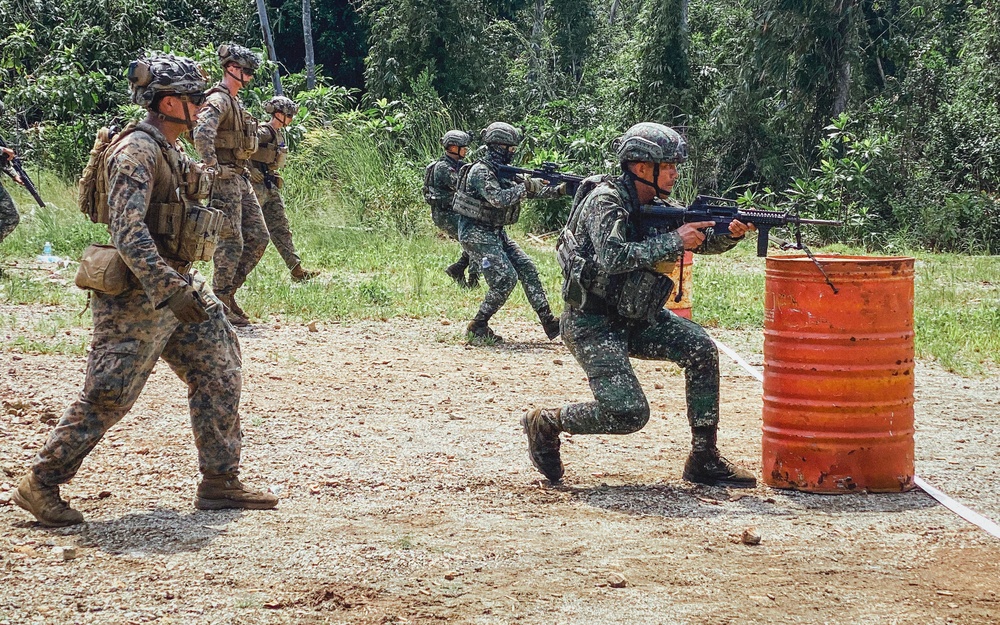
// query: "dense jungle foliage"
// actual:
[[885, 111]]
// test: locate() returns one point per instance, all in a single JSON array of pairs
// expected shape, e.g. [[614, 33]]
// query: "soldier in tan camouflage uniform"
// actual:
[[615, 285], [267, 182], [226, 137], [9, 218], [165, 311]]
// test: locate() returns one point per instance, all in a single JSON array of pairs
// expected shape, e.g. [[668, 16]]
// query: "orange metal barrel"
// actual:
[[838, 374], [682, 283]]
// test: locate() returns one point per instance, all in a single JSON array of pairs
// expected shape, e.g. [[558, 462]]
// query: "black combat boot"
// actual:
[[706, 465], [480, 331], [457, 273], [473, 279], [549, 323], [542, 427]]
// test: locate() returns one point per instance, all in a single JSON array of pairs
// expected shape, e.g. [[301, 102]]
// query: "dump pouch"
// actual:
[[103, 270], [643, 294]]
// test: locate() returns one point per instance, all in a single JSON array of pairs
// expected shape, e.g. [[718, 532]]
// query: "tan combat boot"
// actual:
[[226, 491], [300, 274], [541, 425], [45, 503], [234, 313]]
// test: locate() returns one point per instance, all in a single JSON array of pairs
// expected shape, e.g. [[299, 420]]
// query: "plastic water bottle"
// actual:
[[46, 255]]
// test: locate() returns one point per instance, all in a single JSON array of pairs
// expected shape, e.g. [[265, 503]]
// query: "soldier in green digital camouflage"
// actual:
[[226, 137], [440, 180], [615, 286], [267, 183], [166, 310], [486, 204]]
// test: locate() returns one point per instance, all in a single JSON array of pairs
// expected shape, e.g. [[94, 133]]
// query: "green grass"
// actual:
[[375, 272]]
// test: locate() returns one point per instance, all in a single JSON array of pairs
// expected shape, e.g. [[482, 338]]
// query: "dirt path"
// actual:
[[407, 497]]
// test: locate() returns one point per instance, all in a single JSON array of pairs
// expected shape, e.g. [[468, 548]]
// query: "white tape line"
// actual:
[[739, 360], [969, 515], [961, 510]]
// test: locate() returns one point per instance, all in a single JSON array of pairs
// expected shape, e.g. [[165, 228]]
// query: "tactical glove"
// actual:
[[533, 186], [187, 305]]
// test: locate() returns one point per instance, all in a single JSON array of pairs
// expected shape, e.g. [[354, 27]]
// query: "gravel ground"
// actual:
[[407, 497]]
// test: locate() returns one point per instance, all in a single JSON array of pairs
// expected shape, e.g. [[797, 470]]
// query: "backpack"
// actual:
[[429, 194], [93, 186]]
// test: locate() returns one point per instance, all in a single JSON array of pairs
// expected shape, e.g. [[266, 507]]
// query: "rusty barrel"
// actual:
[[681, 306], [838, 374]]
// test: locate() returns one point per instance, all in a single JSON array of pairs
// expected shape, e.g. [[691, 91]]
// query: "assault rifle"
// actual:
[[549, 172], [12, 167], [659, 218]]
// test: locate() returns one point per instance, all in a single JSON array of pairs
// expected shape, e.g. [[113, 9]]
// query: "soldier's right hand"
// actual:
[[187, 305], [533, 186], [692, 234]]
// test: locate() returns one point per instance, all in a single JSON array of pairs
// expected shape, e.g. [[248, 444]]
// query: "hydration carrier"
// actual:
[[480, 210], [92, 189]]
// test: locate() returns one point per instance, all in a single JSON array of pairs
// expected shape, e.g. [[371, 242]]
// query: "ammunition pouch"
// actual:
[[642, 294], [479, 210], [185, 232], [197, 182], [102, 270], [271, 154]]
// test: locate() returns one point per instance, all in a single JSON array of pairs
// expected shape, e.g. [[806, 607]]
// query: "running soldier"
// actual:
[[440, 179], [226, 137], [486, 204], [267, 183], [615, 286], [164, 309]]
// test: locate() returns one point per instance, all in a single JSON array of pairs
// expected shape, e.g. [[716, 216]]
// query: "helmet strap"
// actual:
[[186, 120], [655, 184]]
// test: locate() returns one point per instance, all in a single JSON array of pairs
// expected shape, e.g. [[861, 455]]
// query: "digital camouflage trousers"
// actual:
[[244, 236], [602, 344], [129, 337], [502, 263], [273, 208], [447, 221]]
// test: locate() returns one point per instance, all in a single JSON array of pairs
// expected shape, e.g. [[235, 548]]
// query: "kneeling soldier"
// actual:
[[147, 193], [267, 182], [615, 292]]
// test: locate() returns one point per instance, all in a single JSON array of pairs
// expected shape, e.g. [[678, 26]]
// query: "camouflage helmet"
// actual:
[[244, 57], [164, 73], [281, 104], [499, 133], [456, 138], [652, 143]]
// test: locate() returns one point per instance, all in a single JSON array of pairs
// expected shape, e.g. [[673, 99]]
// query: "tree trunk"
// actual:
[[265, 27], [845, 34], [535, 43], [307, 35]]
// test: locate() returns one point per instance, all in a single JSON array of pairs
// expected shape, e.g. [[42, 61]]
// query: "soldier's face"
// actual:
[[282, 119], [668, 176]]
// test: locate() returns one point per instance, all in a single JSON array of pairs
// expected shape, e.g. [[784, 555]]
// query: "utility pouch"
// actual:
[[199, 233], [197, 182], [281, 155], [247, 140], [103, 270], [643, 294]]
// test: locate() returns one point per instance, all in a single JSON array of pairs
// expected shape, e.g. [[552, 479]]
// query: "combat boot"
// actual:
[[709, 467], [549, 323], [45, 503], [300, 274], [541, 425], [457, 273], [225, 491], [480, 331], [473, 280], [234, 313]]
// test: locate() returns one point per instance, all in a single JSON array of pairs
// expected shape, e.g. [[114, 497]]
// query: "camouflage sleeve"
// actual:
[[606, 220], [445, 178], [205, 132], [484, 183], [130, 176], [547, 193]]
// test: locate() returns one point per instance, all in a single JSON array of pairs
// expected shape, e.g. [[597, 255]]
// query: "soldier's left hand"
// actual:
[[187, 305], [738, 228]]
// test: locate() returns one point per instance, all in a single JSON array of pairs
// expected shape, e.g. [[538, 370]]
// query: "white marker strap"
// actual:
[[961, 510]]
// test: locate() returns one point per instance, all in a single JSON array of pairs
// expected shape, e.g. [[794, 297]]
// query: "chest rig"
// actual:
[[236, 138], [471, 205]]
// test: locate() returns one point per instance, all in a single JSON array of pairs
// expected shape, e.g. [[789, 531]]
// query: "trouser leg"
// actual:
[[273, 208], [527, 273], [227, 196], [486, 248], [601, 348], [254, 233], [686, 343], [128, 338], [206, 357]]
